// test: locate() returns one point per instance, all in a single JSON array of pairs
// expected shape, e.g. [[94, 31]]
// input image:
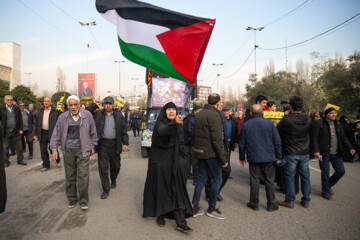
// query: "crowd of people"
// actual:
[[197, 146]]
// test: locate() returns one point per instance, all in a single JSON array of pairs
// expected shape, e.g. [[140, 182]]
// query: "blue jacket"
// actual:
[[260, 140]]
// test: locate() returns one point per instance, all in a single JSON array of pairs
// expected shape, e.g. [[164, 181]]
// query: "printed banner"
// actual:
[[169, 90], [337, 108], [86, 85]]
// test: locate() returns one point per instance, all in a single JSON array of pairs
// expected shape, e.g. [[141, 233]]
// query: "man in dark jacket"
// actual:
[[112, 140], [329, 142], [44, 128], [209, 149], [294, 130], [260, 140], [189, 123], [11, 128], [28, 128], [3, 192]]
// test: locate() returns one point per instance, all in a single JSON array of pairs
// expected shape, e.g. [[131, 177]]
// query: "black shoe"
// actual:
[[253, 207], [230, 177], [72, 204], [326, 196], [84, 206], [104, 195], [12, 154], [272, 207], [6, 164], [184, 229], [30, 157], [22, 163], [331, 192], [160, 221], [113, 186]]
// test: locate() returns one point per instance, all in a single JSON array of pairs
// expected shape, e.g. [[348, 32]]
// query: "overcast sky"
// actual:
[[51, 37]]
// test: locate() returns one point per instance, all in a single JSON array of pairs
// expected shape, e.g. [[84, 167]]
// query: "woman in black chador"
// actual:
[[165, 193]]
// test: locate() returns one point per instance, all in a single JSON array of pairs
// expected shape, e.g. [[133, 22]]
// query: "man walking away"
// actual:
[[260, 140], [209, 149], [11, 129], [294, 130], [328, 148], [112, 140], [44, 128], [28, 128], [75, 132]]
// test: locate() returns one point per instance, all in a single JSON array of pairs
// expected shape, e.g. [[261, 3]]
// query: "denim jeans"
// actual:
[[214, 167], [338, 165], [300, 162]]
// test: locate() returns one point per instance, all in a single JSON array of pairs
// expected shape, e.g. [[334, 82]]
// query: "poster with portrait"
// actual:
[[86, 85], [166, 90]]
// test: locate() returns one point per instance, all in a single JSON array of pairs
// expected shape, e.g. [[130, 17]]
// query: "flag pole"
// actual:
[[187, 100]]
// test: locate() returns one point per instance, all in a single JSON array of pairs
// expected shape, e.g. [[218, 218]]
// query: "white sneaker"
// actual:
[[216, 214]]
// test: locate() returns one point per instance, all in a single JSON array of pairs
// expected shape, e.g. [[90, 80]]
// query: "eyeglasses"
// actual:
[[8, 99], [21, 105]]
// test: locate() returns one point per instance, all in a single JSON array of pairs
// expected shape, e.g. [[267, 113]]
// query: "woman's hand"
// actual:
[[179, 119]]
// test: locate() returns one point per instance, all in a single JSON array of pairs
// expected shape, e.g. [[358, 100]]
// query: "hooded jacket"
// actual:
[[294, 131]]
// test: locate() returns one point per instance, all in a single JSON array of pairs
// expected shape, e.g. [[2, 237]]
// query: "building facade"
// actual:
[[202, 93], [10, 63]]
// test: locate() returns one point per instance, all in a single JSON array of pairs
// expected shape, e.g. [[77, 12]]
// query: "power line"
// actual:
[[57, 6], [307, 2], [238, 50], [54, 26], [317, 36], [237, 70]]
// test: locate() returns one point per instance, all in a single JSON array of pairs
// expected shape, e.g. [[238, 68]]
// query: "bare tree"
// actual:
[[303, 70], [46, 93], [61, 78], [269, 68], [74, 90]]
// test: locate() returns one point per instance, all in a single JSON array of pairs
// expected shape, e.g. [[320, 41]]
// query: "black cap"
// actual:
[[226, 108], [109, 100], [196, 107]]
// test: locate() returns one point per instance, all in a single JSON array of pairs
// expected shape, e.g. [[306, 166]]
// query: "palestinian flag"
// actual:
[[165, 41]]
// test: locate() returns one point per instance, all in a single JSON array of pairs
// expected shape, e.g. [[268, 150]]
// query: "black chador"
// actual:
[[165, 193]]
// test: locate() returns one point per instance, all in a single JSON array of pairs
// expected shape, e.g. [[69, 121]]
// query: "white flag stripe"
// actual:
[[135, 32]]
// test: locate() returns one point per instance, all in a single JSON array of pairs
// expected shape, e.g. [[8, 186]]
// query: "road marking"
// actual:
[[315, 169], [32, 166]]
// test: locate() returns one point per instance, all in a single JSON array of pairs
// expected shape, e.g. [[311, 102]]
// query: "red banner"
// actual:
[[86, 85]]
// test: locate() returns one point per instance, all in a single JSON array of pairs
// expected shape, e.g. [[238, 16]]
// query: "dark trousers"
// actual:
[[135, 128], [76, 175], [12, 147], [44, 147], [28, 138], [225, 176], [107, 156], [193, 162], [338, 165], [17, 143], [268, 171]]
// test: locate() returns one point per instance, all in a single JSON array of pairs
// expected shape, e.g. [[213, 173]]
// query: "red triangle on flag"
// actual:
[[185, 47]]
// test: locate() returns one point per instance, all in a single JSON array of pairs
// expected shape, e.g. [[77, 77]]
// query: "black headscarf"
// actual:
[[156, 139], [342, 120]]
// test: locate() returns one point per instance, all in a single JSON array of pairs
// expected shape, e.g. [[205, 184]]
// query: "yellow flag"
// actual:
[[337, 108], [273, 115]]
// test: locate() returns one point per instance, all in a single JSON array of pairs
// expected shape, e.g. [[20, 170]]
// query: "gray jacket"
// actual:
[[88, 135]]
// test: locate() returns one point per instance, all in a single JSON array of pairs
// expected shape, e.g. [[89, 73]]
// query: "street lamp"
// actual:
[[27, 77], [217, 75], [93, 23], [255, 46], [122, 61]]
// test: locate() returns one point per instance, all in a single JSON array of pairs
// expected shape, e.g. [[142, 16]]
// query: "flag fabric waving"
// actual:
[[168, 42]]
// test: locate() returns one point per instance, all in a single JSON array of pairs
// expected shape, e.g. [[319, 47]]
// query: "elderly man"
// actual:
[[86, 92], [44, 127], [113, 139], [261, 142], [75, 132], [28, 127], [11, 129]]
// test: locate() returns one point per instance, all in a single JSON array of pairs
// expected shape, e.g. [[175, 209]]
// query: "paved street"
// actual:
[[37, 207]]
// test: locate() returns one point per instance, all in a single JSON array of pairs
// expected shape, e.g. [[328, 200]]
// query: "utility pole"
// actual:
[[93, 23]]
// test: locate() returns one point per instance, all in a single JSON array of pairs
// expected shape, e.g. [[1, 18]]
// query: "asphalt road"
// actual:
[[37, 207]]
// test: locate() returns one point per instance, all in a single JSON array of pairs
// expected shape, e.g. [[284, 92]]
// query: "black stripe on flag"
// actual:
[[147, 13]]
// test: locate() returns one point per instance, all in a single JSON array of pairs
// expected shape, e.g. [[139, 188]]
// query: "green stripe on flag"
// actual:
[[150, 58]]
